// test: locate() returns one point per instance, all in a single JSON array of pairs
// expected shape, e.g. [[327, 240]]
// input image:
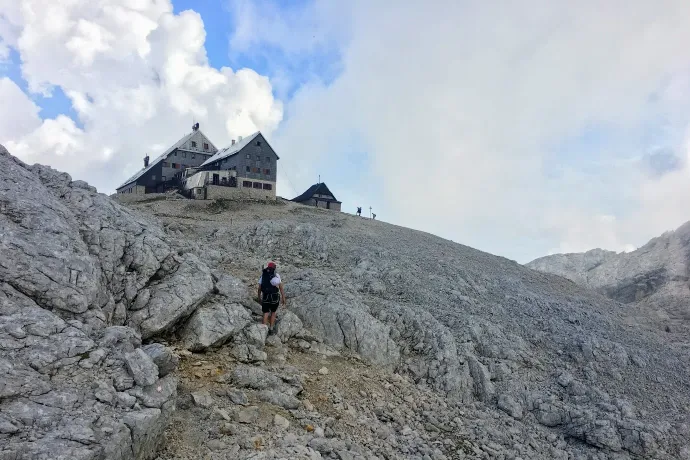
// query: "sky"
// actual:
[[518, 128]]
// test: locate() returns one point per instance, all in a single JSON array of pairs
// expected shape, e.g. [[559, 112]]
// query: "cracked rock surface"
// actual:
[[481, 331], [82, 282], [652, 280], [131, 332]]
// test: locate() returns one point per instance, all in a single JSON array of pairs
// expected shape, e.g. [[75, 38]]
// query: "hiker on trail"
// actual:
[[374, 216], [359, 212], [270, 293]]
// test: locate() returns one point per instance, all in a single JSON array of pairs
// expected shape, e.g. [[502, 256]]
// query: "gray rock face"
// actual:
[[203, 399], [480, 329], [212, 325], [484, 389], [344, 322], [75, 265], [248, 353], [254, 335], [141, 367], [233, 289], [162, 357], [279, 399], [261, 379], [287, 325], [543, 368], [510, 406], [174, 297], [654, 276]]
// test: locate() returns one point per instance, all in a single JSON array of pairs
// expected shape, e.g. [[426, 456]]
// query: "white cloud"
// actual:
[[137, 75], [460, 104], [293, 28], [18, 114]]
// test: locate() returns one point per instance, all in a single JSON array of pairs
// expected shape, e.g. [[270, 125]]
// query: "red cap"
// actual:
[[271, 265]]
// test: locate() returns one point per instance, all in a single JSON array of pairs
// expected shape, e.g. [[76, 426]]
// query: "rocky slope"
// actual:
[[130, 332], [653, 279]]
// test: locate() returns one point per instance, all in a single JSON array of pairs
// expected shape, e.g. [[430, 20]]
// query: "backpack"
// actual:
[[266, 287]]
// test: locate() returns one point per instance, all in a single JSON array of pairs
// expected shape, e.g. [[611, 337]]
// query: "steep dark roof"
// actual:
[[162, 156], [316, 189], [158, 159], [234, 149]]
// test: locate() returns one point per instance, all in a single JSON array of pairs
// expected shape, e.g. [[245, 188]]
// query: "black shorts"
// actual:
[[269, 307]]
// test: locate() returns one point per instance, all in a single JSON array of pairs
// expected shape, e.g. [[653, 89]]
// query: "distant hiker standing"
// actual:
[[270, 293], [359, 212]]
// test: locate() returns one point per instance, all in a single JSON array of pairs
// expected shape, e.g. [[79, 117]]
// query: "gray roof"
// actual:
[[316, 189], [233, 149], [160, 158]]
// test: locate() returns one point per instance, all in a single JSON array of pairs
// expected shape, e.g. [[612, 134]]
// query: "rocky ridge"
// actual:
[[653, 281], [397, 344]]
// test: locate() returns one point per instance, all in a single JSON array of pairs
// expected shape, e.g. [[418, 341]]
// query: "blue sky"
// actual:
[[288, 72], [500, 131], [218, 23], [52, 105]]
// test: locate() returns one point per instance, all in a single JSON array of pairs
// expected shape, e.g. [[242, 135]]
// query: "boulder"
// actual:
[[279, 399], [213, 325], [483, 387], [287, 325], [141, 367], [509, 405], [163, 357], [255, 334], [248, 353], [232, 288], [261, 379], [187, 285]]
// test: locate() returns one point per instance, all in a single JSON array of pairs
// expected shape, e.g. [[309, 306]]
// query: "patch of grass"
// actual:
[[223, 204], [219, 205]]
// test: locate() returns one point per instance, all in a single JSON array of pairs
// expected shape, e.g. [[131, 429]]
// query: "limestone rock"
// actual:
[[260, 379], [84, 279], [344, 322], [509, 405], [175, 297], [238, 397], [255, 334], [163, 357], [146, 427], [248, 353], [122, 338], [248, 415], [484, 388], [653, 277], [212, 325], [279, 399], [203, 399], [281, 422], [141, 367], [287, 325], [233, 289]]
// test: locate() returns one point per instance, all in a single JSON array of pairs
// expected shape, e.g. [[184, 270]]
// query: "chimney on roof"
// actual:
[[233, 142], [239, 138], [146, 161]]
